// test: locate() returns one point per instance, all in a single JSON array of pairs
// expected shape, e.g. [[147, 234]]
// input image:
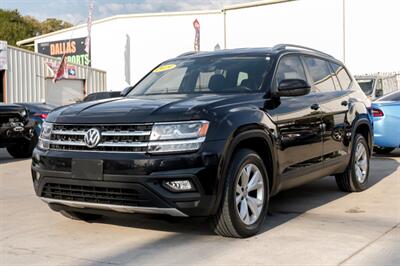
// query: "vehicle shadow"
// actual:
[[283, 207], [395, 154], [184, 233], [7, 158]]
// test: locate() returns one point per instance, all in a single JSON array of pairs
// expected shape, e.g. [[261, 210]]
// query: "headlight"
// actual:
[[45, 134], [177, 137]]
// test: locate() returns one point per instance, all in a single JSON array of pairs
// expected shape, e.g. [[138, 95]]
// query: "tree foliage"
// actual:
[[14, 27]]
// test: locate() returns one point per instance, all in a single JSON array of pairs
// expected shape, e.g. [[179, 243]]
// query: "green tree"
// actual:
[[52, 24], [14, 27]]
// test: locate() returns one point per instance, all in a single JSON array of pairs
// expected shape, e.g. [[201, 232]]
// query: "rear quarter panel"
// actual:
[[387, 128]]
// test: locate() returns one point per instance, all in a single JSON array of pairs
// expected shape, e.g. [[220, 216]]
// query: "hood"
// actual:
[[139, 109], [11, 108]]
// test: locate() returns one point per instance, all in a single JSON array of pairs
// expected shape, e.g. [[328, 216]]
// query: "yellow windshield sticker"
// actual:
[[164, 68]]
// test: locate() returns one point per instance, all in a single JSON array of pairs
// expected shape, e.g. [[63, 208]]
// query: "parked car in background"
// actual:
[[375, 86], [386, 113], [38, 112], [209, 134], [17, 132], [102, 95]]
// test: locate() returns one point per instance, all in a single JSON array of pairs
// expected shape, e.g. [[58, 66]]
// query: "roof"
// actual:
[[279, 48], [255, 4], [223, 52], [29, 41]]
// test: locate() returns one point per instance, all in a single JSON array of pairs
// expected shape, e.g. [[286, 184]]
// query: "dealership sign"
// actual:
[[3, 55], [74, 50]]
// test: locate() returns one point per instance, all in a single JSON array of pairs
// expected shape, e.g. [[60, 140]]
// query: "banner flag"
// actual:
[[196, 25]]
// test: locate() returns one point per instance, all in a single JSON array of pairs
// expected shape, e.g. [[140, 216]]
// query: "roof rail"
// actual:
[[283, 46], [188, 53]]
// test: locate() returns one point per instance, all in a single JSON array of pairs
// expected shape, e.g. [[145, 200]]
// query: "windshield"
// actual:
[[205, 75], [367, 85], [393, 97]]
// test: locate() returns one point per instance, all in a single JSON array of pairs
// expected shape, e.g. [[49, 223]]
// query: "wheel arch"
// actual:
[[254, 137], [363, 126]]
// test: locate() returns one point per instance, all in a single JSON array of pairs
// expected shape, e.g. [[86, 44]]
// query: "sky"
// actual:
[[75, 11]]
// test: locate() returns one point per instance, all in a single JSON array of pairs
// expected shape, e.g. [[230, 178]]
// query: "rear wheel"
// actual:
[[246, 195], [81, 216], [355, 178], [382, 150]]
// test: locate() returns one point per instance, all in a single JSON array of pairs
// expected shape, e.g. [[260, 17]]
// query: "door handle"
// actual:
[[315, 106], [344, 103]]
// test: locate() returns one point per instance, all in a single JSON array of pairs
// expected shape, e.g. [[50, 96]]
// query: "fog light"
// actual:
[[179, 185], [36, 176]]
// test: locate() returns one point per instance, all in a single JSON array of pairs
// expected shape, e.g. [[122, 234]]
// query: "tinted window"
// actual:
[[367, 85], [205, 75], [342, 75], [395, 97], [321, 74], [290, 67]]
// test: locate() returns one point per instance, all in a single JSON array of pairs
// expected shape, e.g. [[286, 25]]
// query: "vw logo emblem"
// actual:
[[92, 137]]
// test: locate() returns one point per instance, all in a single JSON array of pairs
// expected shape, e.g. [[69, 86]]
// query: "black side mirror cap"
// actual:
[[293, 87], [125, 91]]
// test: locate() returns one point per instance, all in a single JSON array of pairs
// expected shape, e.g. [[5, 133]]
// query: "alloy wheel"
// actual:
[[361, 163], [249, 194]]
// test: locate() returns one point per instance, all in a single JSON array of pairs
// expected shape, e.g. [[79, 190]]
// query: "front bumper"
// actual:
[[11, 133], [128, 182]]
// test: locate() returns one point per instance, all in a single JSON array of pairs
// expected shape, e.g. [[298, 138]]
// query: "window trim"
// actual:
[[313, 86], [274, 85]]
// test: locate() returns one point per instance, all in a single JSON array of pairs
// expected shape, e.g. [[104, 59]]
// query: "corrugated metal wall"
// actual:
[[27, 73]]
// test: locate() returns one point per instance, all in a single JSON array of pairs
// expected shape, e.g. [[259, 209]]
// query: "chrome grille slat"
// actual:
[[114, 138], [126, 134], [71, 133]]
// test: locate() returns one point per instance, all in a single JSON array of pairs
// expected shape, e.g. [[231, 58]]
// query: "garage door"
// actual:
[[65, 91]]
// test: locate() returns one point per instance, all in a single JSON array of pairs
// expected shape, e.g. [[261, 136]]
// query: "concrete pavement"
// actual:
[[312, 225]]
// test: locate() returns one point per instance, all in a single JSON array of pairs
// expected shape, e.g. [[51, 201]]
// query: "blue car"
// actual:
[[386, 113]]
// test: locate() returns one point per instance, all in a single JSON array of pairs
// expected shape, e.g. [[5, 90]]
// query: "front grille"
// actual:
[[96, 194], [114, 138]]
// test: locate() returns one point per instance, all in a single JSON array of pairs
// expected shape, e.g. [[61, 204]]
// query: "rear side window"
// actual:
[[320, 73], [290, 67], [343, 76]]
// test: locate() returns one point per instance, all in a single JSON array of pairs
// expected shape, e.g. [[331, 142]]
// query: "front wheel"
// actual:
[[23, 149], [382, 150], [355, 178], [246, 195]]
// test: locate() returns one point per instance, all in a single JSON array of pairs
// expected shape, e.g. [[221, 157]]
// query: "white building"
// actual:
[[363, 33]]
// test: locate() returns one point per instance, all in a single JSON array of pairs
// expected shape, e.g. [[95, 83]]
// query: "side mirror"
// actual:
[[125, 91], [293, 87]]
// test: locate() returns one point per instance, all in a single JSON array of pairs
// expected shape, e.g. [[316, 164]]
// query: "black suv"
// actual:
[[16, 130], [209, 134]]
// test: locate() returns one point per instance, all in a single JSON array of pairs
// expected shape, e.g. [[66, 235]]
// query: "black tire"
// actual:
[[381, 150], [347, 181], [226, 222], [81, 216], [23, 149]]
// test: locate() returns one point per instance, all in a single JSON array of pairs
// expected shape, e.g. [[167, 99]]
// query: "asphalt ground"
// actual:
[[315, 224]]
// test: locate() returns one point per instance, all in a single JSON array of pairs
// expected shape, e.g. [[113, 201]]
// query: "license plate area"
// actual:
[[87, 169]]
